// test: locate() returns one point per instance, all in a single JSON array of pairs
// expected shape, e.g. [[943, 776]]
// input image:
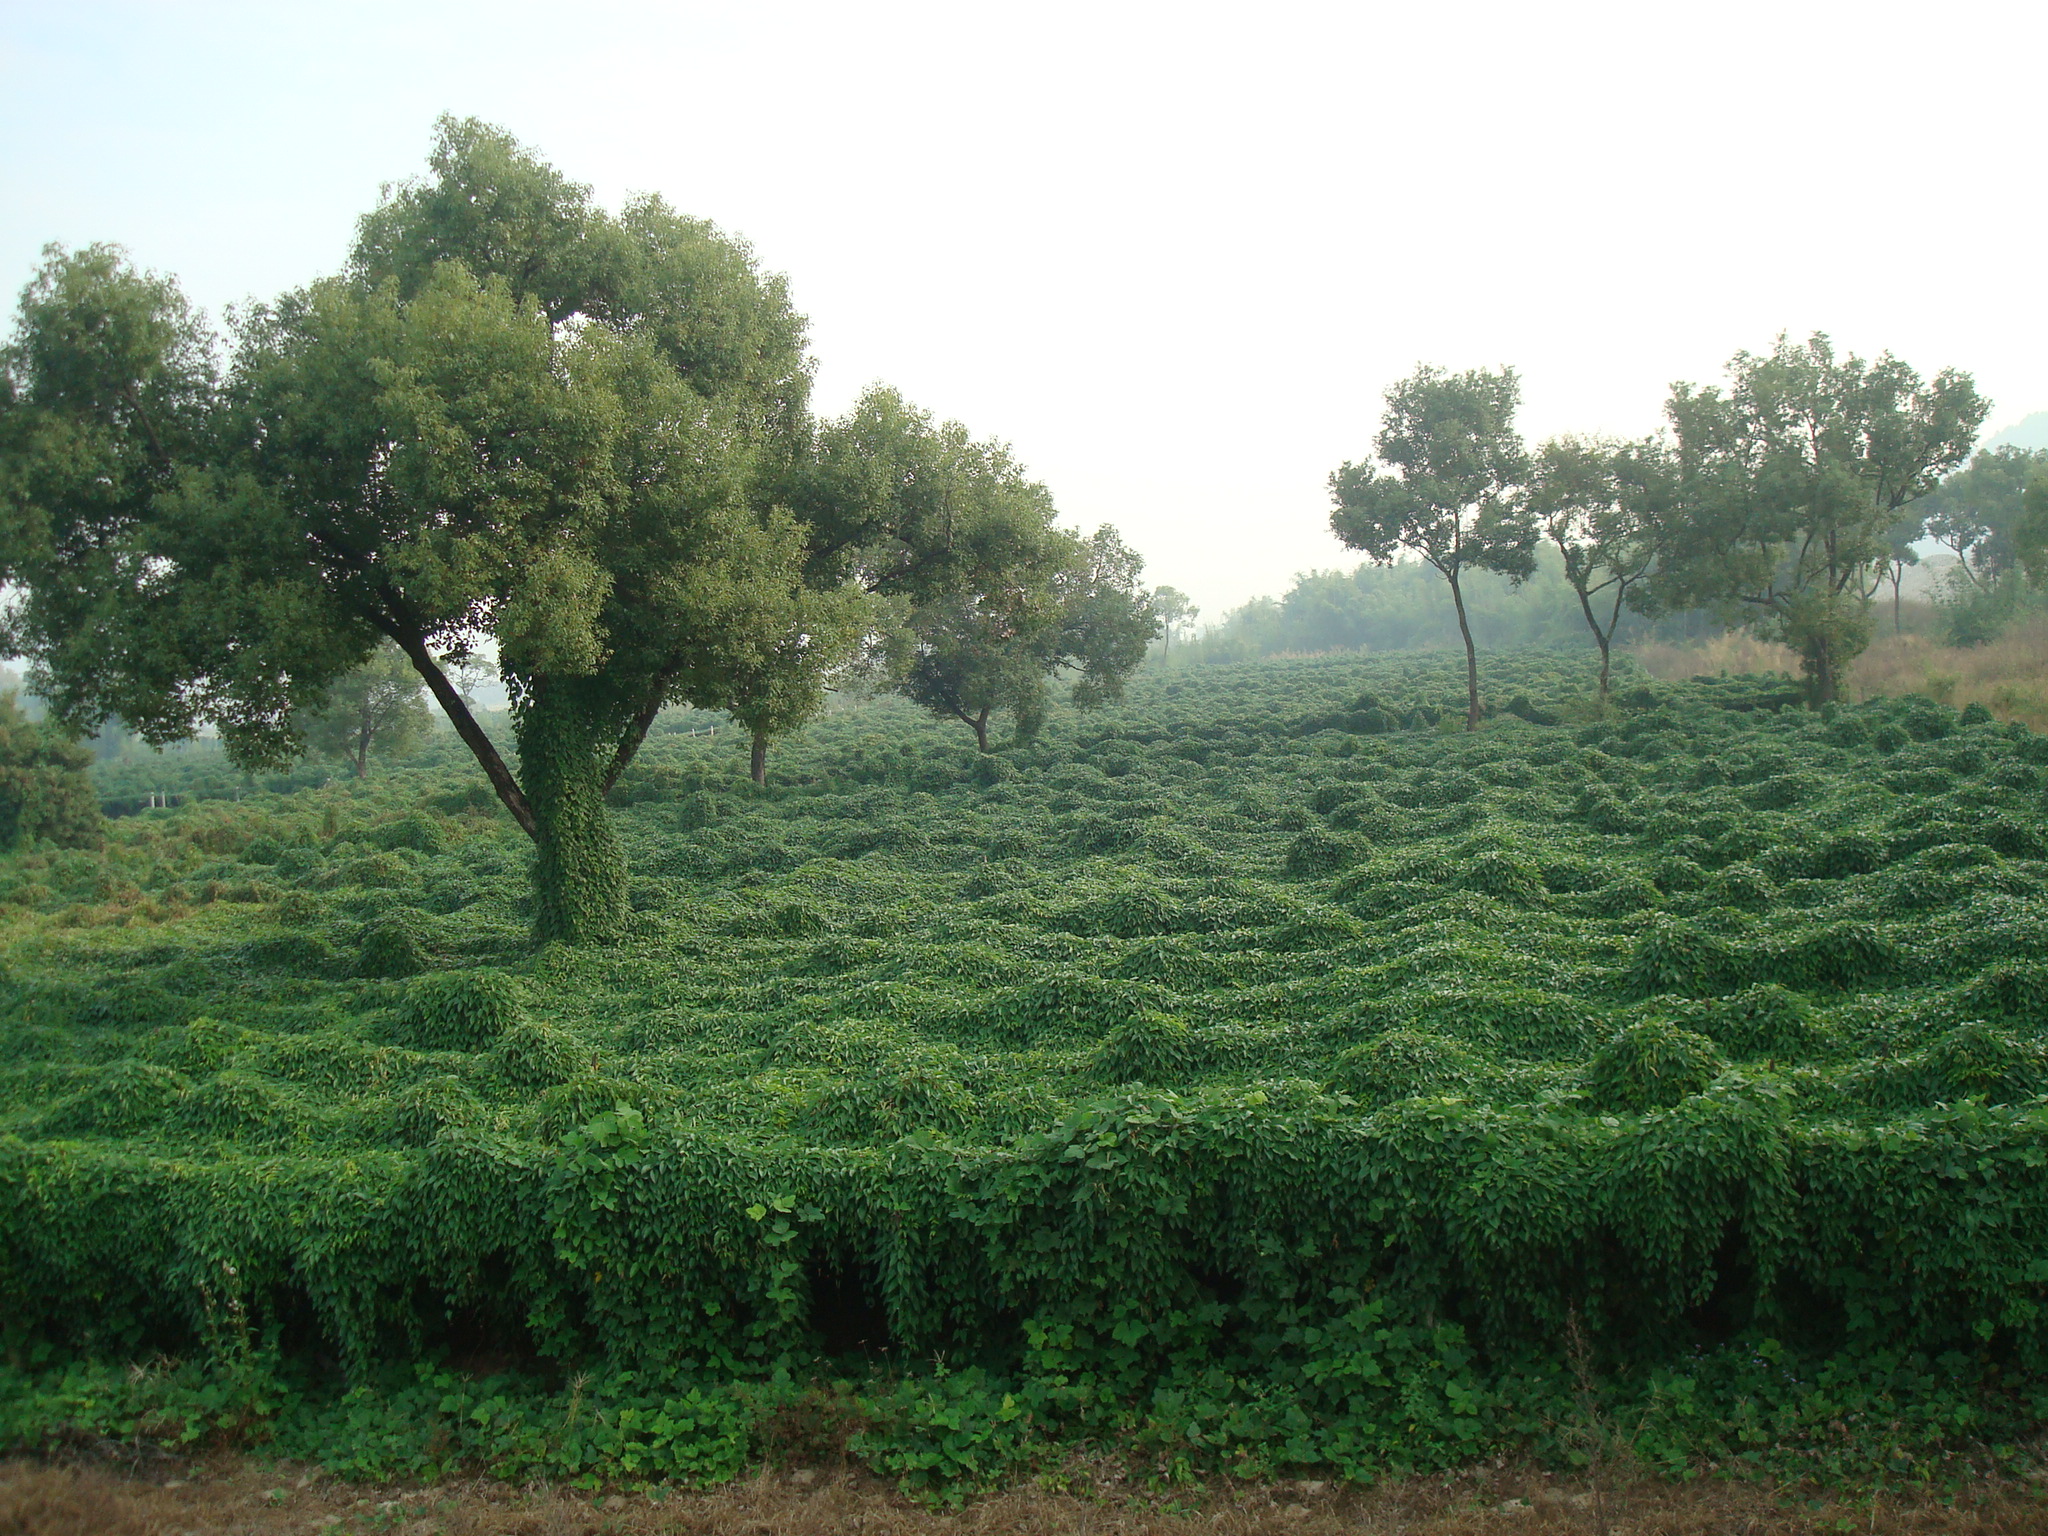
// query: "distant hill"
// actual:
[[2030, 433]]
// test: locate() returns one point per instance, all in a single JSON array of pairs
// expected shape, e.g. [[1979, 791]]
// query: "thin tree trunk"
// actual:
[[1599, 638], [980, 724], [509, 793], [759, 764], [1471, 657]]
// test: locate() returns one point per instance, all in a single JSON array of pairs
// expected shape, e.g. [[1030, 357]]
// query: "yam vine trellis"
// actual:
[[1257, 1061]]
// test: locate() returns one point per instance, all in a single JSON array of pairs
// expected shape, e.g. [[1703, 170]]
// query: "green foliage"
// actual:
[[45, 794], [381, 705], [1791, 487], [460, 1011], [1451, 462], [1710, 1020], [1651, 1065], [390, 949]]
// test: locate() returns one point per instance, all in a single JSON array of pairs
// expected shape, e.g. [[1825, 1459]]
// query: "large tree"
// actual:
[[517, 426], [1791, 479], [1603, 505], [1444, 488]]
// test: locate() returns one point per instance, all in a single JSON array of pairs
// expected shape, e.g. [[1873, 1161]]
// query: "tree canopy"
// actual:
[[953, 534], [46, 794], [380, 705], [1604, 506], [1977, 512], [1791, 480]]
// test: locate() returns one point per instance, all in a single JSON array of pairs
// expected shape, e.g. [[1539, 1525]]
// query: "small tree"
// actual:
[[1602, 504], [1899, 557], [1078, 610], [1174, 611], [780, 683], [382, 704], [1790, 483], [994, 598], [1976, 511], [46, 793], [1449, 463]]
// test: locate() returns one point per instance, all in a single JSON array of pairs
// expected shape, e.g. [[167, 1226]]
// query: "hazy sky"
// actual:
[[1172, 253]]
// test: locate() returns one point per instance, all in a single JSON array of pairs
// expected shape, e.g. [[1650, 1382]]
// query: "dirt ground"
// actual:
[[247, 1498]]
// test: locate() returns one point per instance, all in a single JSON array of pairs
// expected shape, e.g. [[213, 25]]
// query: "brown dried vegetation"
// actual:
[[241, 1498], [2009, 676]]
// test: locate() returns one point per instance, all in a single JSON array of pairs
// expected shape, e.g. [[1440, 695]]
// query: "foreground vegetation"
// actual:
[[1261, 1075]]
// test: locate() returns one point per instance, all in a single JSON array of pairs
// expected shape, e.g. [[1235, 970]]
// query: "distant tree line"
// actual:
[[520, 426], [1782, 501], [1401, 607]]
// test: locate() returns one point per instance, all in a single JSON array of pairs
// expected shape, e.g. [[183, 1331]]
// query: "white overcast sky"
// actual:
[[1173, 253]]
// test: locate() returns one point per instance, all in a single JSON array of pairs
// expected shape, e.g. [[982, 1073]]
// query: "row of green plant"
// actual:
[[1265, 1058]]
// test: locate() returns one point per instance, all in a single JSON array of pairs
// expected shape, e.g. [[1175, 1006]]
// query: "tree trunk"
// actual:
[[1471, 657], [1600, 638], [980, 724], [1820, 663], [579, 870], [758, 767]]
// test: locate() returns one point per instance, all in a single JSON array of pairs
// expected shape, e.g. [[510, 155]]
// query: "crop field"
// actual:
[[1258, 1072]]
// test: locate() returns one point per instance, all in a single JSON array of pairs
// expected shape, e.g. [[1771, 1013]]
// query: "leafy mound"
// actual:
[[1281, 1074]]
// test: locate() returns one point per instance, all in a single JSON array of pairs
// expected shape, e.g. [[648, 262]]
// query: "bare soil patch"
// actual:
[[239, 1497]]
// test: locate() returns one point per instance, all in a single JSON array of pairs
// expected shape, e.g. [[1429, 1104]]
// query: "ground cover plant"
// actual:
[[1260, 1074]]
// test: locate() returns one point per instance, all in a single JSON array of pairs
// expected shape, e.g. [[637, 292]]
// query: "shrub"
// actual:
[[390, 949], [1403, 1063], [1651, 1065], [460, 1010]]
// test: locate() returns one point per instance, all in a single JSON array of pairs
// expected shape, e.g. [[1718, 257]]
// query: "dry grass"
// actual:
[[2008, 677], [248, 1499]]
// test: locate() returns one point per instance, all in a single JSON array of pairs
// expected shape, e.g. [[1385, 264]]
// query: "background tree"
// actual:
[[1449, 461], [2030, 534], [516, 419], [1790, 483], [995, 598], [1603, 505], [780, 683], [1078, 609], [381, 704], [46, 793], [1899, 557], [1976, 512], [1175, 612]]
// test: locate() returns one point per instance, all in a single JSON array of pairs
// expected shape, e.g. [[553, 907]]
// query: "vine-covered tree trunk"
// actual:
[[579, 871], [1820, 666]]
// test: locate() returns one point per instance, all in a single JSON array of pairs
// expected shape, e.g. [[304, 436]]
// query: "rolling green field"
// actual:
[[1259, 1074]]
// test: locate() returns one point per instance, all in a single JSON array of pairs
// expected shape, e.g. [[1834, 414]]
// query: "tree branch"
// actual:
[[635, 733], [156, 444]]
